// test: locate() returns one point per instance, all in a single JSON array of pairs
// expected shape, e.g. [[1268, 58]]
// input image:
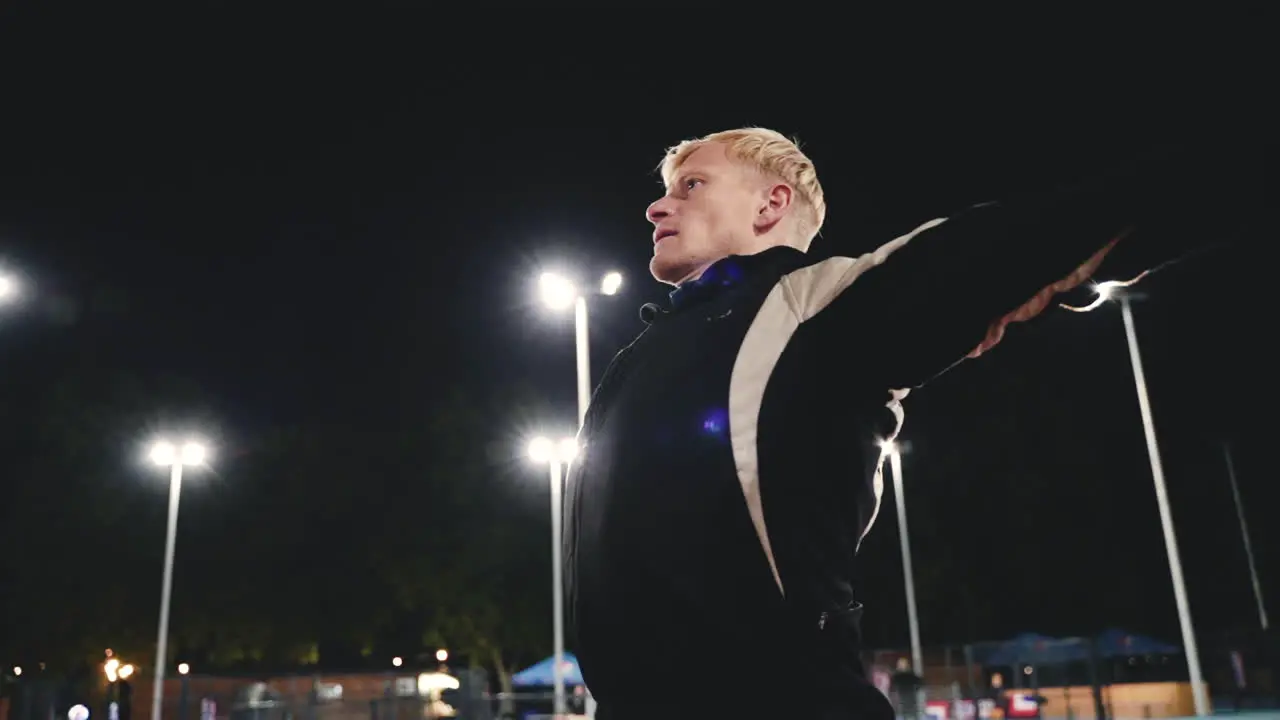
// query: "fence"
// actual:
[[328, 696], [1114, 675]]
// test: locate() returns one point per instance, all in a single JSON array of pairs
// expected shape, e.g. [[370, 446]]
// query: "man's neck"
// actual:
[[697, 274]]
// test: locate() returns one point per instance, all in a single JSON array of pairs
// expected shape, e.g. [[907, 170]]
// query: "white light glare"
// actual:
[[167, 454], [442, 655], [557, 292], [8, 287], [542, 450], [432, 684], [17, 671], [193, 453], [1106, 290], [163, 453], [568, 449], [888, 446], [183, 668], [611, 283], [397, 661]]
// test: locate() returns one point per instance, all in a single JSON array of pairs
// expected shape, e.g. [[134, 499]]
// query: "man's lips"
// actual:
[[658, 235]]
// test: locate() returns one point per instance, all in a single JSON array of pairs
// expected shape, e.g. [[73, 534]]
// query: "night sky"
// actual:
[[341, 222]]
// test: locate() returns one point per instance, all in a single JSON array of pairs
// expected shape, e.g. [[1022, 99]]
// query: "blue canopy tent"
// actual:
[[1036, 649], [1117, 643], [542, 674], [1031, 648]]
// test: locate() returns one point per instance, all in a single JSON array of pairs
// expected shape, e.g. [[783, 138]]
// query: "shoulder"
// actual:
[[811, 288]]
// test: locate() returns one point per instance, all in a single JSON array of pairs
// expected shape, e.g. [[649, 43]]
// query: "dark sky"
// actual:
[[343, 218]]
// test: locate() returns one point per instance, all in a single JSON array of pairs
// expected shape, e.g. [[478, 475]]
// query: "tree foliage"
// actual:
[[350, 543]]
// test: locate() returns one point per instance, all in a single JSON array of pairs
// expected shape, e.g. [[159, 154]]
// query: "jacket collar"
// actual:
[[731, 271]]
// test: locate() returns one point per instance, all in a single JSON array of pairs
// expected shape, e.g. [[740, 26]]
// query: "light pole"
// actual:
[[1244, 534], [556, 455], [166, 454], [1111, 290], [913, 618], [558, 293]]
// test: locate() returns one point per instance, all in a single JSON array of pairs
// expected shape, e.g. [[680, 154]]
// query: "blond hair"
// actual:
[[772, 154]]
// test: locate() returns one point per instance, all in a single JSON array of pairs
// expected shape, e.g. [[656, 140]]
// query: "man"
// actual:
[[999, 699], [730, 460], [906, 686]]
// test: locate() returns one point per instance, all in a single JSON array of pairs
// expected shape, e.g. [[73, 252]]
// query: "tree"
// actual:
[[467, 570], [303, 537], [87, 535]]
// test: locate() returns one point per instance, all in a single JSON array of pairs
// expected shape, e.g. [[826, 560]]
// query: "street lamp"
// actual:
[[558, 293], [397, 661], [1115, 290], [894, 452], [184, 692], [175, 457], [115, 672], [556, 455]]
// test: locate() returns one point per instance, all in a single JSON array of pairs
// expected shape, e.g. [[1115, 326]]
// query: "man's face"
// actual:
[[707, 214]]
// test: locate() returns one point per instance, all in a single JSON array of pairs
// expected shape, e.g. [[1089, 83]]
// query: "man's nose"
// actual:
[[658, 210]]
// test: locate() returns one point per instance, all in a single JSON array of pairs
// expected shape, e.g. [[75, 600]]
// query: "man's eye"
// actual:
[[691, 183]]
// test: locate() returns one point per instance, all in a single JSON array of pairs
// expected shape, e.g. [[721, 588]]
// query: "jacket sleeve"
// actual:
[[949, 290]]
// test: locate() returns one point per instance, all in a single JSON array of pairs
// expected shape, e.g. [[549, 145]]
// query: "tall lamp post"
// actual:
[[166, 454], [1114, 290], [558, 293], [116, 673], [556, 455], [899, 498], [1244, 535]]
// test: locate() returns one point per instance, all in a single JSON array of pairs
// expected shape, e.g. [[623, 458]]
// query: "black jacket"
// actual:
[[730, 460]]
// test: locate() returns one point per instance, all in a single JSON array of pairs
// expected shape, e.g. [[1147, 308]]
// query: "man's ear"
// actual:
[[775, 205]]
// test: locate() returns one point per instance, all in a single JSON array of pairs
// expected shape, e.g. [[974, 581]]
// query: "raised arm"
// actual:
[[948, 290]]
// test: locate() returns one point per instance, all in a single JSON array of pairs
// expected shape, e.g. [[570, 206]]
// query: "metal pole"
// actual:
[[1166, 517], [913, 620], [584, 358], [584, 401], [1244, 534], [166, 591], [557, 587]]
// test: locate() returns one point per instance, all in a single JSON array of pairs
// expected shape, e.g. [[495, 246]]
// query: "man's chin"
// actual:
[[665, 271]]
